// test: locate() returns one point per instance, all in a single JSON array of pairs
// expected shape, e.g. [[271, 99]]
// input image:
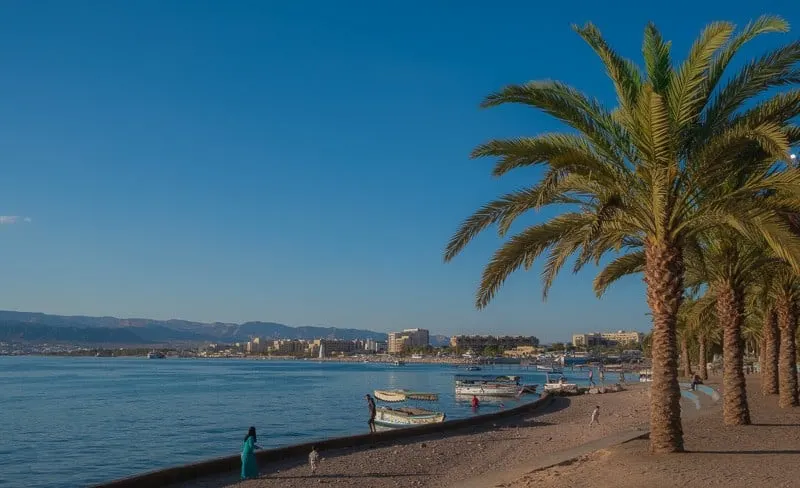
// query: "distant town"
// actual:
[[413, 343]]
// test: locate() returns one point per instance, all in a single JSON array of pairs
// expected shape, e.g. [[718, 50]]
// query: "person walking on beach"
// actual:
[[371, 405], [595, 416], [249, 463], [602, 376], [313, 459], [591, 377]]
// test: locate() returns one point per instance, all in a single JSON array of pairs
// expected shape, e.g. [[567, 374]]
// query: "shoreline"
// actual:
[[442, 459]]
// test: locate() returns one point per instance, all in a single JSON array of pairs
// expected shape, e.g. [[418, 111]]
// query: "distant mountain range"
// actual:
[[40, 327]]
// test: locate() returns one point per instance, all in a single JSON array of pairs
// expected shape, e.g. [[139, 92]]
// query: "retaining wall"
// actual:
[[187, 472]]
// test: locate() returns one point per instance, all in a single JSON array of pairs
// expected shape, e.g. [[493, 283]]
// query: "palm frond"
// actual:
[[523, 249], [624, 265]]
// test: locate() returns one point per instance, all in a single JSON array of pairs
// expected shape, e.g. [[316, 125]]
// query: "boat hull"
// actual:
[[403, 395], [406, 417], [561, 387], [488, 390]]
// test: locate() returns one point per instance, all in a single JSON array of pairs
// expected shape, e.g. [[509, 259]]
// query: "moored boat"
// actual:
[[155, 355], [560, 386], [488, 385], [407, 416], [552, 369], [403, 395]]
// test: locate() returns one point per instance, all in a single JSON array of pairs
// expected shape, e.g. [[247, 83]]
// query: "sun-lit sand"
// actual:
[[763, 454]]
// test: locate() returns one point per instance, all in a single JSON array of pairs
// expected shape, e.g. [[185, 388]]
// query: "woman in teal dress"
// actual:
[[249, 464]]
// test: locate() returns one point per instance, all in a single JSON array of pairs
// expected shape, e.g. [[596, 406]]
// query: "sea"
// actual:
[[72, 422]]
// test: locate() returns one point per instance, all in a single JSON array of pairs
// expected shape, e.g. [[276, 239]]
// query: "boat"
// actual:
[[552, 369], [529, 388], [399, 363], [155, 355], [406, 416], [473, 368], [559, 386], [507, 386], [403, 395]]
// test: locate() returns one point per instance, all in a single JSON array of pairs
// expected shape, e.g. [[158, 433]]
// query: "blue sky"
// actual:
[[301, 162]]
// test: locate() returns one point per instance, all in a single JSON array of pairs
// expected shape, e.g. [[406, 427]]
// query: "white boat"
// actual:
[[155, 355], [560, 386], [399, 363], [506, 386], [403, 395], [552, 369], [407, 416]]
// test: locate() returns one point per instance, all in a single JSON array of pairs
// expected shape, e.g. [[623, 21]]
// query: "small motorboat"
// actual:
[[403, 395], [473, 368], [407, 416], [529, 388], [399, 362]]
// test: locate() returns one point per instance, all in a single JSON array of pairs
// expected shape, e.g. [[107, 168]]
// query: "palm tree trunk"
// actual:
[[663, 275], [686, 364], [769, 364], [730, 312], [701, 343], [787, 363]]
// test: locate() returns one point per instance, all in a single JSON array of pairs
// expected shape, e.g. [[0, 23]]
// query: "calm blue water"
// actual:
[[70, 422]]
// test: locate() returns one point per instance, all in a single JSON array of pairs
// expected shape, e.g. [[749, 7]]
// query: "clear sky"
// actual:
[[301, 162]]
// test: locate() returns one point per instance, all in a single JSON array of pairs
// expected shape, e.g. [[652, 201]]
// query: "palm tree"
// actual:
[[684, 332], [786, 289], [641, 179], [762, 306], [702, 323]]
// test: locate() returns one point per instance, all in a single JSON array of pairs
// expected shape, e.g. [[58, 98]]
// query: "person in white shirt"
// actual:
[[595, 416]]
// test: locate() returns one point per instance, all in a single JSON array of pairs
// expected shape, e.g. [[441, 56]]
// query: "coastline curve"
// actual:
[[187, 472]]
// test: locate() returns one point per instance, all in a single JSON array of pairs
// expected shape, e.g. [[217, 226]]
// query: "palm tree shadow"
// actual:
[[756, 452], [345, 476]]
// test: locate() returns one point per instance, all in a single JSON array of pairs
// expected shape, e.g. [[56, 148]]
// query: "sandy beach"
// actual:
[[444, 460], [762, 454]]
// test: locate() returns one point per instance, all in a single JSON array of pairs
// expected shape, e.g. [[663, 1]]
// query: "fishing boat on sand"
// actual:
[[403, 395], [507, 386], [407, 416]]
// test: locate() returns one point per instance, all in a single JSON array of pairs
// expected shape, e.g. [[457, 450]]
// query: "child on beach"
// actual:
[[595, 416], [313, 459]]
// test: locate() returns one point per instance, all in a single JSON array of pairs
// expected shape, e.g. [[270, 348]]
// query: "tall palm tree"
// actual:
[[684, 331], [786, 289], [641, 178], [762, 305], [702, 322]]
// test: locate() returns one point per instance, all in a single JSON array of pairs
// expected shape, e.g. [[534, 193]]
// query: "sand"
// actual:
[[762, 454], [444, 460]]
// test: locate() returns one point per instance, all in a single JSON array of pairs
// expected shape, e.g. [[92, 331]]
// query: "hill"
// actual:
[[40, 327]]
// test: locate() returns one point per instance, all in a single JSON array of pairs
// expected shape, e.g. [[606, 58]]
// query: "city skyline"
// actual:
[[297, 164]]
